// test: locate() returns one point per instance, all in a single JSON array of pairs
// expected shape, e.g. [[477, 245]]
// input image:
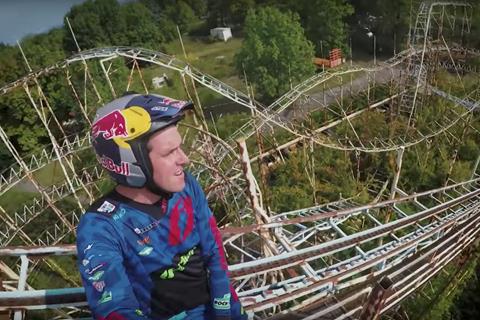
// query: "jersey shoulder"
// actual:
[[105, 206]]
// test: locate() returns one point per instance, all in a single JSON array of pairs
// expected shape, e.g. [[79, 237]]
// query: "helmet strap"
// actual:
[[154, 188]]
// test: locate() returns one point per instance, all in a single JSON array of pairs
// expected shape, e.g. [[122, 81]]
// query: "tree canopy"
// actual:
[[326, 23], [106, 22], [275, 53], [389, 21]]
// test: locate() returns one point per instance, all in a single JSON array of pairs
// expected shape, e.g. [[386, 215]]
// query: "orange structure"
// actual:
[[335, 59]]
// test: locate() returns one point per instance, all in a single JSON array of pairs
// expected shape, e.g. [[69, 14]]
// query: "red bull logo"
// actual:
[[110, 165], [173, 103], [110, 126]]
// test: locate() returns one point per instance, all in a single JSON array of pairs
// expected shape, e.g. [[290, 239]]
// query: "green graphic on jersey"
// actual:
[[96, 276], [106, 296], [222, 303], [170, 273]]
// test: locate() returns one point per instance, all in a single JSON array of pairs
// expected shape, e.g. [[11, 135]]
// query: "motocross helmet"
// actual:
[[121, 130]]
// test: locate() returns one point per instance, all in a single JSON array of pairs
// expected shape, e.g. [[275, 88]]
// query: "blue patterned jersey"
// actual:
[[138, 262]]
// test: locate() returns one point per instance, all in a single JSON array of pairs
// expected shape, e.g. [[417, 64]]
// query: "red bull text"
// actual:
[[173, 103], [110, 126], [110, 165]]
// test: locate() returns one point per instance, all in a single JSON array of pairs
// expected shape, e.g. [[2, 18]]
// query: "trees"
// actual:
[[473, 38], [11, 65], [275, 53], [228, 12], [169, 13], [98, 23], [326, 23], [389, 21], [139, 27], [94, 23]]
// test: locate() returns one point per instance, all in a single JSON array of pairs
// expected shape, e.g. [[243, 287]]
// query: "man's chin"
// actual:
[[176, 187], [180, 188]]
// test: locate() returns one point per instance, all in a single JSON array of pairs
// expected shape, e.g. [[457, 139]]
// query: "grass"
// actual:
[[49, 175], [13, 199], [212, 58], [216, 58]]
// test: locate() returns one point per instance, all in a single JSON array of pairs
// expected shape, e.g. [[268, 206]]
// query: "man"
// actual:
[[151, 248]]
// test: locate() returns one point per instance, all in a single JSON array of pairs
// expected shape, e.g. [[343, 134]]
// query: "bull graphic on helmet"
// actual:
[[110, 126]]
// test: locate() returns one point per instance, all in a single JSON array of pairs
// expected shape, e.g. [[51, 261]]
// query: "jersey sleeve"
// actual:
[[224, 300], [100, 262]]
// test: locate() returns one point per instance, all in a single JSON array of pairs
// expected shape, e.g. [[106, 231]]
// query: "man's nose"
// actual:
[[183, 159]]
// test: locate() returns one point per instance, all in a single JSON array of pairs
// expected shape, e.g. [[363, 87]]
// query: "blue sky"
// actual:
[[19, 18]]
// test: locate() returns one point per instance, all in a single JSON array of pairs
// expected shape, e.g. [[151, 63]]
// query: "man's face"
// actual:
[[168, 159]]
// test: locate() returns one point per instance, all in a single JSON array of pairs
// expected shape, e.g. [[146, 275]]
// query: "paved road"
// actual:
[[322, 99]]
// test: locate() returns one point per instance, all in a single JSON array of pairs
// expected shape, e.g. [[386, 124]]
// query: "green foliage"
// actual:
[[469, 150], [94, 23], [44, 49], [334, 172], [461, 171], [466, 303], [223, 13], [291, 189], [20, 122], [226, 125], [199, 7], [389, 21], [289, 185], [11, 65], [98, 23], [12, 198], [168, 14], [140, 28], [183, 16], [325, 20], [275, 53], [5, 157], [444, 298], [472, 39]]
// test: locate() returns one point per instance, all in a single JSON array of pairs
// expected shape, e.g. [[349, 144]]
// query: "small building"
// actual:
[[334, 59], [221, 33], [159, 82]]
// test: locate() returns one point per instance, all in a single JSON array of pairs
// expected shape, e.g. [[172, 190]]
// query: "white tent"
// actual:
[[221, 33]]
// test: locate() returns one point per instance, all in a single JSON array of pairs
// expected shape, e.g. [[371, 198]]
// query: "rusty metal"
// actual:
[[375, 300]]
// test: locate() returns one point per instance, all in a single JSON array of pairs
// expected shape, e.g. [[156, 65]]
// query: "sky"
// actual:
[[19, 18]]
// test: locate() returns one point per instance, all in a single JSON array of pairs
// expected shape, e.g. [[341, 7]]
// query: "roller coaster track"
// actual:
[[420, 243], [12, 175], [70, 145], [32, 210]]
